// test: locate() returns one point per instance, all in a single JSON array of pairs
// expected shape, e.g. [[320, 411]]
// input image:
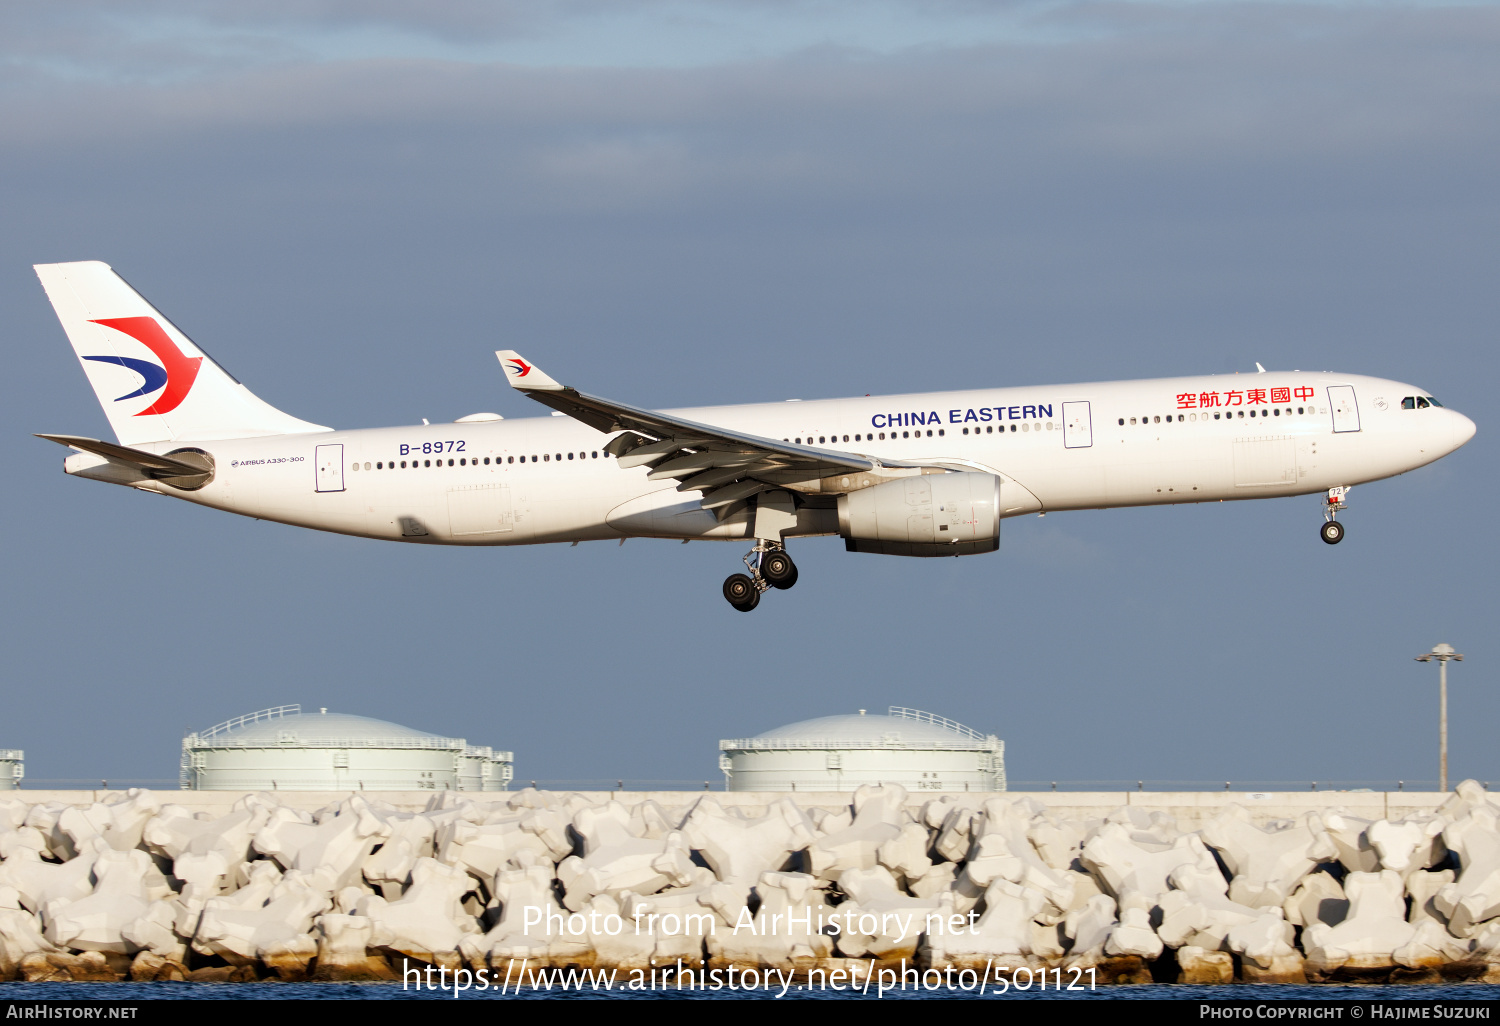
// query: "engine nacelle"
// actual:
[[955, 514]]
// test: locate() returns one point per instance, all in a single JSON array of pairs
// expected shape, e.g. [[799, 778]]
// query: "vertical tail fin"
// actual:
[[155, 385]]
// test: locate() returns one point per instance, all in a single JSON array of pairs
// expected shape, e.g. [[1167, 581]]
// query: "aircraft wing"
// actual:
[[726, 466]]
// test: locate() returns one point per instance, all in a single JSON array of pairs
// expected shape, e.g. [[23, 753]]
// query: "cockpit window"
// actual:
[[1409, 403], [1422, 404], [1434, 401]]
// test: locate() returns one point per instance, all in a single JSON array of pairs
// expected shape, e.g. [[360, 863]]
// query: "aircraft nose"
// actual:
[[1463, 429]]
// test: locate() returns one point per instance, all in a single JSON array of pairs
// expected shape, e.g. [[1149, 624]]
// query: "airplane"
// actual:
[[929, 474]]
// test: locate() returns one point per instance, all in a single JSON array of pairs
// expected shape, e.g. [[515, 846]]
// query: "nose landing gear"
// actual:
[[1332, 531], [769, 566]]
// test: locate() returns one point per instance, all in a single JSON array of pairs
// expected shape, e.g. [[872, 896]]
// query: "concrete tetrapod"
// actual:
[[121, 896], [428, 922], [1474, 897], [278, 934], [1267, 863], [879, 920], [740, 848], [1374, 929], [784, 933]]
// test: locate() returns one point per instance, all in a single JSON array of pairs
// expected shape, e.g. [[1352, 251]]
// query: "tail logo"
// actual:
[[521, 367], [174, 376]]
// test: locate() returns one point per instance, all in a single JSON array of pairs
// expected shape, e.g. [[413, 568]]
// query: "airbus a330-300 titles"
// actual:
[[908, 475]]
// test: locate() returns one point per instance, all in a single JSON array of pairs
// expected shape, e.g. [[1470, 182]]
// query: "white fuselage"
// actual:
[[1088, 446]]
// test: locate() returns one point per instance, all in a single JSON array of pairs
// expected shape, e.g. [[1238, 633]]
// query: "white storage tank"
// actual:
[[12, 768], [918, 750], [284, 749]]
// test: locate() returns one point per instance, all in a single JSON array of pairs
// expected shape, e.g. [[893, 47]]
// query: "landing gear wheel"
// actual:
[[1332, 532], [778, 570], [741, 592]]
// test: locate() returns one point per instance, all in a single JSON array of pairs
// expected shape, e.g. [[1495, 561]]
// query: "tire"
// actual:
[[741, 593], [778, 570], [1332, 532]]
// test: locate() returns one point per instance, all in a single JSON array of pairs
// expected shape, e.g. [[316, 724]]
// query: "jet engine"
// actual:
[[953, 514]]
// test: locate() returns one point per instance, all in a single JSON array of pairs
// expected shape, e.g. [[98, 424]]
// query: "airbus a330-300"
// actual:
[[905, 475]]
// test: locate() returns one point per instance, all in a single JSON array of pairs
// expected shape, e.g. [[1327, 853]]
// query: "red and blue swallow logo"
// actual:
[[521, 367], [174, 375]]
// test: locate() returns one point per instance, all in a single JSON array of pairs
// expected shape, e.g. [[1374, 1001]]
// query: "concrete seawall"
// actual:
[[1190, 808]]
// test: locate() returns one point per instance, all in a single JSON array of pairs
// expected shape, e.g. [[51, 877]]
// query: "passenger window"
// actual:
[[1122, 421], [1132, 420], [570, 455], [378, 466], [846, 438]]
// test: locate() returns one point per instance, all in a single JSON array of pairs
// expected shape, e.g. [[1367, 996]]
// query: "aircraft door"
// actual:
[[1345, 409], [330, 466], [1078, 426]]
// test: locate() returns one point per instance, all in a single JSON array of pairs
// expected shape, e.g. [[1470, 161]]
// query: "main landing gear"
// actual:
[[769, 566], [1332, 531]]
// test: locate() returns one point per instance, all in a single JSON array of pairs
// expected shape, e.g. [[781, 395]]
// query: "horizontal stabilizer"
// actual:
[[149, 462]]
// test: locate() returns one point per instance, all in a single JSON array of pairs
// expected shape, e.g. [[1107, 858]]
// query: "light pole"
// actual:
[[1442, 653]]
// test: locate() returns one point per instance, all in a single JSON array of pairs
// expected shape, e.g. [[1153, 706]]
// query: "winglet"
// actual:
[[525, 375]]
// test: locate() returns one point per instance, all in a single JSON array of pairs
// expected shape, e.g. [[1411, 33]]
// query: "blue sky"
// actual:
[[352, 205]]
